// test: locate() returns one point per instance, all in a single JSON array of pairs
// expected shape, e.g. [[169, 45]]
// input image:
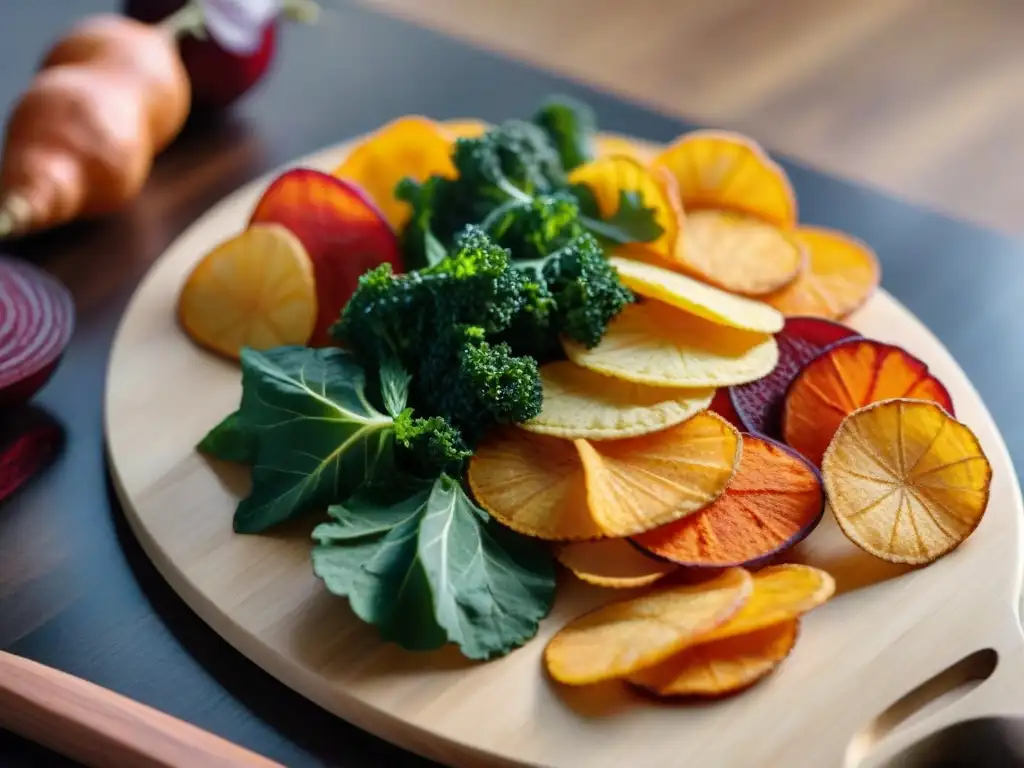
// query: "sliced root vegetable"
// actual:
[[758, 404], [410, 146], [579, 403], [609, 144], [612, 563], [906, 482], [37, 319], [842, 379], [610, 178], [624, 637], [723, 170], [840, 275], [739, 253], [342, 231], [464, 128], [255, 290], [697, 298], [773, 501], [658, 345], [533, 484], [722, 667], [640, 483]]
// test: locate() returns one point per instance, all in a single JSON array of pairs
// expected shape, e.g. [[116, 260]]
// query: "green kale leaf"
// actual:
[[231, 441]]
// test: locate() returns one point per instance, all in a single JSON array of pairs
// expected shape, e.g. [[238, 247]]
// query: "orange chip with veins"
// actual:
[[611, 177], [722, 667], [411, 146], [624, 637], [728, 171], [613, 563], [640, 483], [845, 377], [841, 274], [906, 482], [608, 144], [533, 484]]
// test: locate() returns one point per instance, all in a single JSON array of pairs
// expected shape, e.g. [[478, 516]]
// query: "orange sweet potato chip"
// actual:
[[906, 482], [640, 483], [624, 637], [844, 377], [773, 501], [612, 563], [533, 484], [410, 146], [721, 667], [841, 274], [728, 171]]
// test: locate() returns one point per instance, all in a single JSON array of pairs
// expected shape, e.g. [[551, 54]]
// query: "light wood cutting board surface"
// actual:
[[888, 630]]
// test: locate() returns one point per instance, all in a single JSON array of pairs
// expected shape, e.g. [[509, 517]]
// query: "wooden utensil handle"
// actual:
[[101, 728]]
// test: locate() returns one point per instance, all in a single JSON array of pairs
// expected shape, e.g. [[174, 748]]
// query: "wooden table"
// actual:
[[77, 593]]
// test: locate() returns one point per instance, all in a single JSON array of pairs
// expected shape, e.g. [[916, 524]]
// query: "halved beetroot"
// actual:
[[37, 318], [758, 405], [343, 231]]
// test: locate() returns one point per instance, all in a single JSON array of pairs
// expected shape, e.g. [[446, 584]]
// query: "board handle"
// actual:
[[101, 728]]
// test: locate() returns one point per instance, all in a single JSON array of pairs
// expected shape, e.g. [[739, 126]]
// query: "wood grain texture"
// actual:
[[920, 98], [101, 728], [874, 642]]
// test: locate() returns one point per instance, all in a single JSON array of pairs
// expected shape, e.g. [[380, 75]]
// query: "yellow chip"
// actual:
[[624, 637], [609, 177], [658, 345], [906, 481], [640, 483], [740, 253], [613, 563], [581, 403], [533, 484], [697, 298]]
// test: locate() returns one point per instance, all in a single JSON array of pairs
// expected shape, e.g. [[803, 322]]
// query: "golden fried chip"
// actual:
[[613, 563]]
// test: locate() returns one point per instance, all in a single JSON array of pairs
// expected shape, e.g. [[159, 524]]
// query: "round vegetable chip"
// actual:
[[840, 275], [609, 178], [906, 481], [655, 344], [254, 290], [624, 637], [609, 144], [640, 483], [718, 169], [758, 404], [697, 298], [533, 484], [842, 379], [611, 563], [464, 128], [773, 501], [722, 667], [739, 253], [581, 403], [411, 146]]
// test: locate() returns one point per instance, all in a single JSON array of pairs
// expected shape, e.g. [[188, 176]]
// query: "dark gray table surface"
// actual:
[[76, 591]]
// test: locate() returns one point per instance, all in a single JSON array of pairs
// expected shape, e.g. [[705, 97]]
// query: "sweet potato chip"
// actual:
[[410, 146], [640, 483], [533, 484], [612, 563], [721, 667], [611, 177], [624, 637], [464, 128], [723, 170], [697, 298], [758, 404], [773, 501], [842, 379], [254, 290], [609, 144], [739, 253], [581, 403], [655, 344], [840, 275], [906, 481]]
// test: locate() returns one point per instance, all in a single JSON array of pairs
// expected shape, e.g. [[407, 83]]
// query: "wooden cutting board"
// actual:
[[948, 634]]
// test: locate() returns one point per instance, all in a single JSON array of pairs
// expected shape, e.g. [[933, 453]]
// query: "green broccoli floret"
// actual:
[[431, 446], [534, 229], [571, 125]]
